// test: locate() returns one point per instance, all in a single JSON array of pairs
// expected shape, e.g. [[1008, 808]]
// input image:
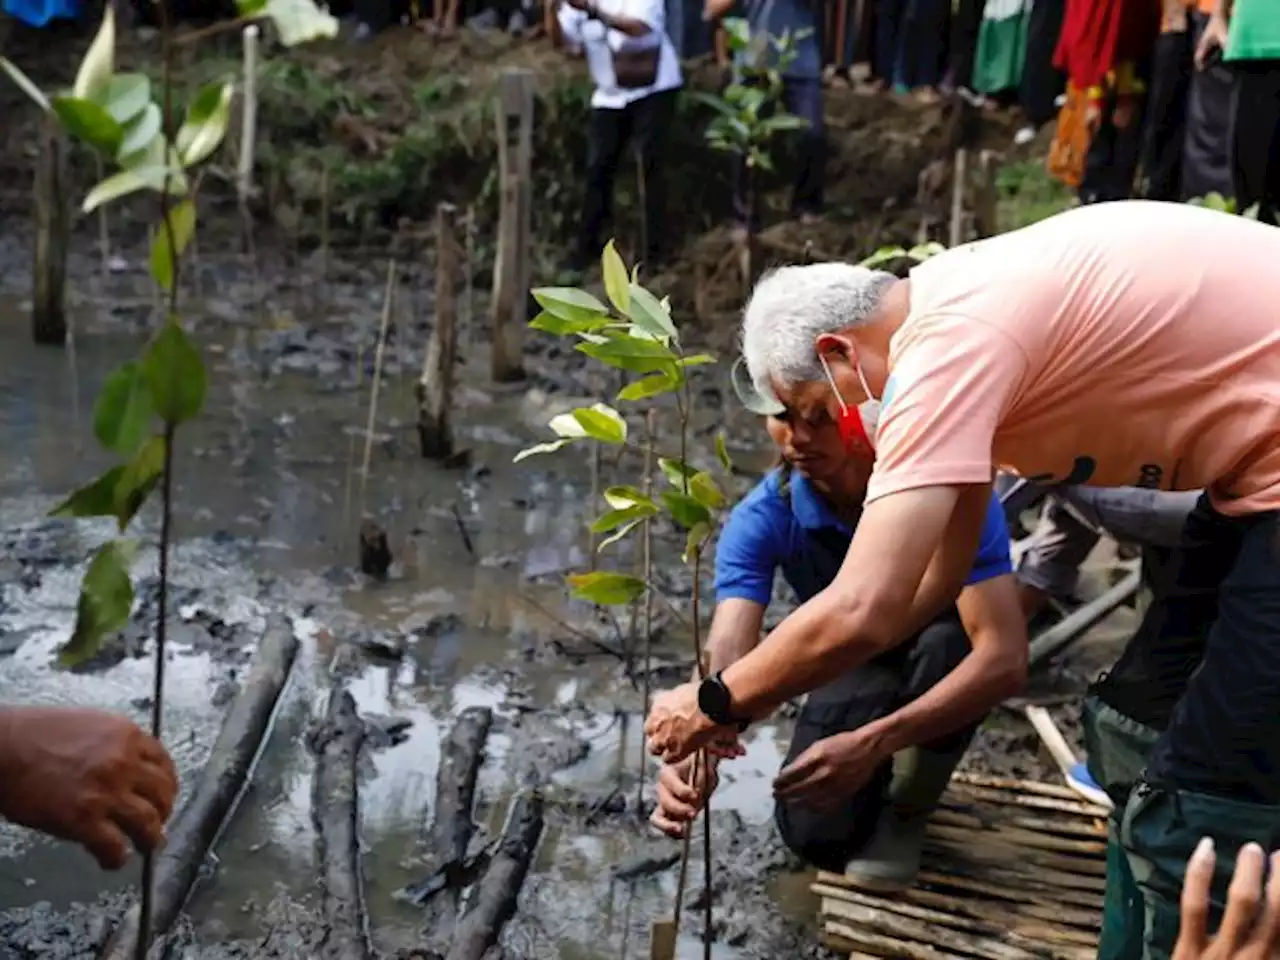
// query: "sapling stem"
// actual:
[[646, 547], [377, 380]]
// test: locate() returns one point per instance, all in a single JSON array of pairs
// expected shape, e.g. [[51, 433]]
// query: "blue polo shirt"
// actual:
[[798, 533]]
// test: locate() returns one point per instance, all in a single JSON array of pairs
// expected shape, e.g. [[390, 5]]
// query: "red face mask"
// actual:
[[857, 425]]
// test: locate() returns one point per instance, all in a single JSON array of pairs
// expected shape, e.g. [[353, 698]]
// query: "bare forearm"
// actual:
[[819, 640], [735, 632], [964, 696]]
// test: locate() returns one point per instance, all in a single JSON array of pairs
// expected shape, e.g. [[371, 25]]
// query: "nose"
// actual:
[[801, 433]]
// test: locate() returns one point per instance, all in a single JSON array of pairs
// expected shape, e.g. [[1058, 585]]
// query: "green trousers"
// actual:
[[1152, 834]]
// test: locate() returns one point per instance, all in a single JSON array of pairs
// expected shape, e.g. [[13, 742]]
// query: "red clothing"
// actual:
[[1097, 35]]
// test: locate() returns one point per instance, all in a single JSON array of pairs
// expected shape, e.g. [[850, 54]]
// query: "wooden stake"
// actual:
[[377, 381], [248, 115], [324, 224], [957, 198], [53, 228], [986, 201], [511, 269], [435, 388], [104, 228]]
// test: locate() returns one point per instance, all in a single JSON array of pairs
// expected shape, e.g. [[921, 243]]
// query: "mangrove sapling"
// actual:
[[143, 402], [749, 115], [637, 336]]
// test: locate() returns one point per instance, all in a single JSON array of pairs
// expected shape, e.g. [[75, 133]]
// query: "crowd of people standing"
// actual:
[[1166, 100]]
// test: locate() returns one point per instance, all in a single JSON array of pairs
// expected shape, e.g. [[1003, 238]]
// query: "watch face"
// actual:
[[713, 699]]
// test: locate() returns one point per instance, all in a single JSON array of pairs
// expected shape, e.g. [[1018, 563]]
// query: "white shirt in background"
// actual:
[[600, 43]]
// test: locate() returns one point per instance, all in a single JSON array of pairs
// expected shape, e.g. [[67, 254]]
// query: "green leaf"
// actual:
[[615, 278], [697, 360], [550, 323], [24, 83], [618, 534], [139, 134], [630, 353], [616, 518], [923, 251], [126, 95], [182, 226], [175, 374], [206, 123], [782, 123], [122, 413], [89, 122], [650, 316], [96, 499], [652, 385], [737, 30], [698, 535], [685, 510], [106, 598], [99, 61], [125, 182], [722, 453], [703, 488], [598, 421], [300, 21], [250, 8], [607, 589], [137, 479], [882, 256], [624, 495], [570, 303], [676, 472], [549, 447]]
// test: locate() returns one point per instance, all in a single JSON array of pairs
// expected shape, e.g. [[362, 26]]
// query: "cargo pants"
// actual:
[[1161, 813]]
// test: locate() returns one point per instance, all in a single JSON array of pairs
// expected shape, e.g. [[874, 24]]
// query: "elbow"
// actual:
[[875, 624], [1009, 673]]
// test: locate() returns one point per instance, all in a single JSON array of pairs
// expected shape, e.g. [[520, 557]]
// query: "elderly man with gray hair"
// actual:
[[1124, 344]]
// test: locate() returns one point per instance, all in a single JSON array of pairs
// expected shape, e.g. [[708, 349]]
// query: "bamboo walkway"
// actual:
[[1014, 870]]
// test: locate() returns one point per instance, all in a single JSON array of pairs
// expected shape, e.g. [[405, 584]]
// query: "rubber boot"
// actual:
[[891, 858]]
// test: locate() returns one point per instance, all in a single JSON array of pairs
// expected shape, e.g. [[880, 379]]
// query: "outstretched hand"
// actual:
[[1250, 928]]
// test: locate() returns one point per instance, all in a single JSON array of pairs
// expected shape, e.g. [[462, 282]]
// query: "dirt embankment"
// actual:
[[390, 128]]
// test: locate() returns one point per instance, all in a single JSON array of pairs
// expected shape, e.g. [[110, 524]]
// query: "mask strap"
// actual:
[[844, 407]]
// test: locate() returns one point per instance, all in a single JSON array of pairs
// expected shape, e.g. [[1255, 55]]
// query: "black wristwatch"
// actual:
[[716, 702]]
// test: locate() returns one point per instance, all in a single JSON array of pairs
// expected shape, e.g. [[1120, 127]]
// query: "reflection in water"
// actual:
[[267, 463]]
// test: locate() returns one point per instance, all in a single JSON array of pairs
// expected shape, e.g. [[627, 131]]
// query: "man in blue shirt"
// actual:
[[874, 749]]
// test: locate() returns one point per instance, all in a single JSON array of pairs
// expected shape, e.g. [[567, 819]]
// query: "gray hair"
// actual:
[[791, 307]]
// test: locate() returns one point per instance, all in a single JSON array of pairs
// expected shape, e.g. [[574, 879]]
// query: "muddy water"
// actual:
[[270, 493]]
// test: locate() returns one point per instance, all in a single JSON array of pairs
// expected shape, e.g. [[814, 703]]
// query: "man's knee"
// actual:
[[828, 839]]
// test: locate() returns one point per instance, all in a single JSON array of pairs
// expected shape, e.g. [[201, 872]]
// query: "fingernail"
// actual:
[[1203, 849]]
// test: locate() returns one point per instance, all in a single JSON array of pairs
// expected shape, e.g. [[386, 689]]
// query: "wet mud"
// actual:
[[346, 830]]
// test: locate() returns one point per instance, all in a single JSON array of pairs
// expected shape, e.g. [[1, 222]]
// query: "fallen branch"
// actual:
[[493, 902], [334, 809], [193, 833], [454, 827]]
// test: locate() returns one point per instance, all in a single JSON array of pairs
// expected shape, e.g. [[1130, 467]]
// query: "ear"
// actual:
[[828, 343]]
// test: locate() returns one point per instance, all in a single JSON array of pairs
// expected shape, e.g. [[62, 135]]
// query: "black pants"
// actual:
[[1255, 166], [645, 124], [965, 26], [1223, 733], [1206, 150], [1166, 116], [1041, 81], [1111, 164], [828, 838]]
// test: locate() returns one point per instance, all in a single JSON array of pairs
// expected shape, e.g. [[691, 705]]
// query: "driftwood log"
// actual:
[[493, 900], [335, 810], [211, 804], [454, 826]]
